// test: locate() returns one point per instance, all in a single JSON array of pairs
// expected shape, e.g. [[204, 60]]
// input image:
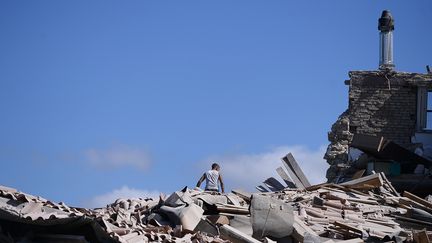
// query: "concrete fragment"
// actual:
[[229, 233], [212, 199], [157, 220], [233, 199], [270, 217], [242, 194], [188, 216], [206, 226], [242, 223], [179, 198]]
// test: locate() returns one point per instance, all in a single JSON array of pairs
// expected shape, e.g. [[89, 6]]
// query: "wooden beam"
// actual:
[[417, 199], [411, 203], [292, 174], [421, 237], [416, 221], [273, 184], [231, 209], [285, 177], [373, 181], [290, 160], [261, 188], [388, 183]]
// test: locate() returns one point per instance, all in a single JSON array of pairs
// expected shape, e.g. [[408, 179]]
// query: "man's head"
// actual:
[[215, 166]]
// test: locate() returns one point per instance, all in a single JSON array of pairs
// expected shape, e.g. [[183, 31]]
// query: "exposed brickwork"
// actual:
[[380, 104]]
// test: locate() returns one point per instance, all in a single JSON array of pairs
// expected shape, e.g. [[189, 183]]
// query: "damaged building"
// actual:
[[379, 145], [388, 124]]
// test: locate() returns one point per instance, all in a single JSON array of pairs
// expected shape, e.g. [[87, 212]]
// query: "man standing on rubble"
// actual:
[[212, 177]]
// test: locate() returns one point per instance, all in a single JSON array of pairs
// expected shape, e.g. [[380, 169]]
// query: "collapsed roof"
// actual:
[[363, 209]]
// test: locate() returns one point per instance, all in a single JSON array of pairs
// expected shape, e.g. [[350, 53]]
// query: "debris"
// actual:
[[270, 217], [298, 183], [218, 219], [273, 184], [417, 199], [261, 189], [293, 165], [234, 235], [382, 148], [368, 182], [285, 177], [367, 209]]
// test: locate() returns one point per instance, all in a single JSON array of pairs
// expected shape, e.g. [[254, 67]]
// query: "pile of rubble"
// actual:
[[363, 209]]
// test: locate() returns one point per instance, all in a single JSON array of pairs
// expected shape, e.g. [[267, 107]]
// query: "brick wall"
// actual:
[[382, 105]]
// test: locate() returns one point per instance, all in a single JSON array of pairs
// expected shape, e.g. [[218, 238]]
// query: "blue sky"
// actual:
[[102, 98]]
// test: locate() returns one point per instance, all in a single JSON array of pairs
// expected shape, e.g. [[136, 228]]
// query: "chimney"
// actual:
[[386, 27]]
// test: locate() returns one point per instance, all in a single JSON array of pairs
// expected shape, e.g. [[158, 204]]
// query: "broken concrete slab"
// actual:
[[188, 216], [236, 236], [270, 217]]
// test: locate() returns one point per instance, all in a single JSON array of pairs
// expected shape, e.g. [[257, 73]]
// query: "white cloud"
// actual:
[[249, 170], [118, 156], [123, 192]]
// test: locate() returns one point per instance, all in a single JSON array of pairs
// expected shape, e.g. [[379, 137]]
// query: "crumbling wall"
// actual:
[[337, 151], [381, 103]]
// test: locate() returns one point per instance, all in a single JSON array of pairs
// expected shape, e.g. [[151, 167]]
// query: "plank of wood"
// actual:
[[373, 180], [285, 177], [421, 237], [416, 221], [381, 227], [293, 176], [235, 210], [408, 202], [317, 186], [273, 184], [354, 218], [364, 201], [324, 221], [261, 188], [346, 189], [270, 187], [347, 227], [388, 183], [289, 158], [417, 199]]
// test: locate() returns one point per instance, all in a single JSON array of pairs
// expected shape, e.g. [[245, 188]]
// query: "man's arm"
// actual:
[[221, 183], [200, 180]]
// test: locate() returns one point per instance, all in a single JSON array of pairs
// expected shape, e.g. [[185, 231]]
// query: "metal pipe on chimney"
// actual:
[[386, 27]]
